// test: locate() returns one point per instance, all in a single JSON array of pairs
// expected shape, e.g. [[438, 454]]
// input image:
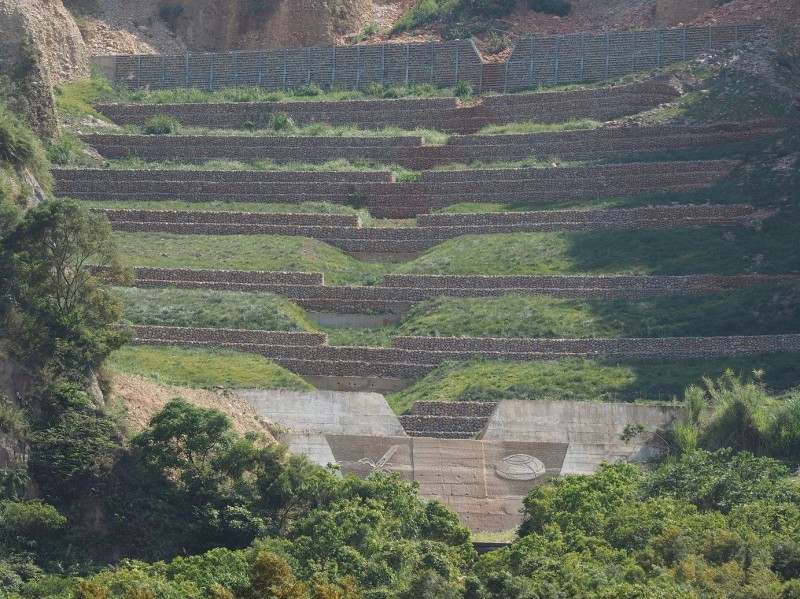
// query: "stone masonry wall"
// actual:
[[386, 199], [432, 229], [307, 354], [410, 152], [399, 292], [442, 114]]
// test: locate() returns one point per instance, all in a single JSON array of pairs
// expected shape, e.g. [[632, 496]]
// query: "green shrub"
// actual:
[[559, 8], [18, 144], [463, 90], [69, 150], [161, 125], [281, 121], [310, 90]]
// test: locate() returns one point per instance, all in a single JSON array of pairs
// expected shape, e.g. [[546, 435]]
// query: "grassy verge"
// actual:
[[213, 309], [301, 208], [432, 137], [339, 165], [757, 311], [304, 93], [246, 252], [204, 368], [534, 127], [673, 252], [591, 380]]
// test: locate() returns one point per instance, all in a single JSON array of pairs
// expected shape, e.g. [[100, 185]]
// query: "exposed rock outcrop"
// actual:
[[242, 24], [40, 46]]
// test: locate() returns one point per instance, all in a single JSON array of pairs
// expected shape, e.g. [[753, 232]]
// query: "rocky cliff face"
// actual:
[[208, 25], [51, 30], [40, 46]]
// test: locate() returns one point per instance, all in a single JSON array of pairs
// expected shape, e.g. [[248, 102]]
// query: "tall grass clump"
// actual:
[[161, 124], [21, 149]]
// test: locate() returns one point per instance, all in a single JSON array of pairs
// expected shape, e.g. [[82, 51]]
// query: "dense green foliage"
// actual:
[[54, 310], [188, 484], [161, 125], [625, 533], [200, 367]]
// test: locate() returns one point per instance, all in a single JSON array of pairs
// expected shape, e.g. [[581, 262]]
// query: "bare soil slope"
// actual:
[[143, 398]]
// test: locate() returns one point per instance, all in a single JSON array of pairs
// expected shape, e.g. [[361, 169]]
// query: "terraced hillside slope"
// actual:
[[503, 252]]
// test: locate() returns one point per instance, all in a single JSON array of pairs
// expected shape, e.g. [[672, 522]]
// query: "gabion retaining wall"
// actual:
[[412, 153], [536, 60], [442, 114], [384, 198], [306, 353], [429, 231], [399, 292]]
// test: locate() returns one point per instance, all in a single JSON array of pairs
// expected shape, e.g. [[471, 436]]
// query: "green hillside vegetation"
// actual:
[[574, 379], [765, 310], [188, 508], [203, 368]]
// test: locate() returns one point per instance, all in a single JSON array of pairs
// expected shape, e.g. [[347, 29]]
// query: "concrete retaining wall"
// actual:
[[338, 413]]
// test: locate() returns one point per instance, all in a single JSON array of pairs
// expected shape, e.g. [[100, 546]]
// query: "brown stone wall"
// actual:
[[410, 152], [443, 114], [399, 292], [346, 233], [412, 357], [387, 199]]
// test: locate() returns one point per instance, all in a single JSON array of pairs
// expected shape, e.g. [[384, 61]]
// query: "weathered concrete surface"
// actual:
[[483, 481], [348, 321], [313, 445], [357, 383], [592, 430], [326, 411]]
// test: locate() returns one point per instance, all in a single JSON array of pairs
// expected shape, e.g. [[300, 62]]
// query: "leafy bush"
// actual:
[[281, 121], [19, 146], [161, 125], [559, 8], [69, 150], [310, 90], [463, 90]]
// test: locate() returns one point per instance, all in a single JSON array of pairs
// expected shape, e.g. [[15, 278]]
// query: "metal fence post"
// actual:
[[408, 55], [433, 50], [261, 68], [533, 57], [658, 49], [710, 40], [633, 51], [383, 62], [684, 44], [308, 76], [139, 71], [456, 76], [333, 66], [187, 69], [358, 66], [558, 49], [608, 53], [163, 71], [211, 72], [285, 59], [236, 69], [583, 54]]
